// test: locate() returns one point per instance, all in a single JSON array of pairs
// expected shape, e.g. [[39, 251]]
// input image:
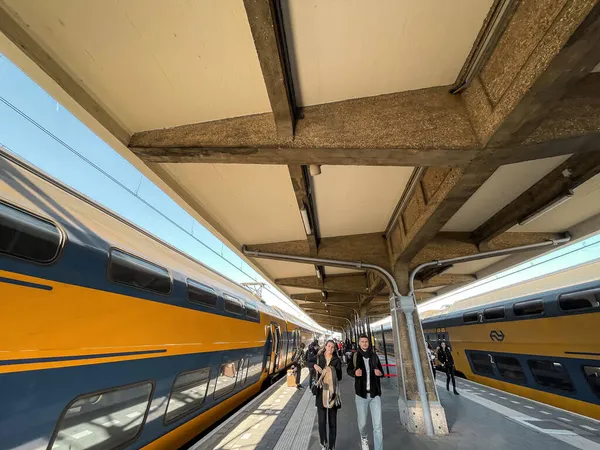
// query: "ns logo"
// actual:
[[497, 335]]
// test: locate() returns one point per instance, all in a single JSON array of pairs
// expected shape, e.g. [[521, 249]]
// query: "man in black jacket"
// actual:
[[364, 366]]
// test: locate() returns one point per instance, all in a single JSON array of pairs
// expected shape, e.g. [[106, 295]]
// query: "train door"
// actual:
[[276, 348], [269, 350]]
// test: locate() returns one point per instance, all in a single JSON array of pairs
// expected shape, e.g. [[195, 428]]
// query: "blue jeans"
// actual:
[[362, 410]]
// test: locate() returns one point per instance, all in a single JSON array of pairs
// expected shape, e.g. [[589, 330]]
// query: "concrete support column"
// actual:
[[412, 415]]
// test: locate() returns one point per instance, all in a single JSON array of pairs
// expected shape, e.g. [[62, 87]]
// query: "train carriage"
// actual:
[[112, 338], [536, 339]]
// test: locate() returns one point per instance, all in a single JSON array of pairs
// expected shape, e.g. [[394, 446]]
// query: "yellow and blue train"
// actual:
[[537, 339], [111, 338]]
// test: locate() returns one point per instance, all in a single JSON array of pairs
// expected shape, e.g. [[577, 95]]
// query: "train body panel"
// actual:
[[118, 323], [540, 345]]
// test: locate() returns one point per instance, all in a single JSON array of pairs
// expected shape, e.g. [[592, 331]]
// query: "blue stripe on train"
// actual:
[[33, 401], [9, 362], [25, 283]]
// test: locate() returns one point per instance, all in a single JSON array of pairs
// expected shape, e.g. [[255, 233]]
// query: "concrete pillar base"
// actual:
[[411, 417]]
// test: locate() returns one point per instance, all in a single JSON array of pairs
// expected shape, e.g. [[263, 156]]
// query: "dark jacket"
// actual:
[[299, 357], [445, 357], [360, 383], [336, 365], [311, 356]]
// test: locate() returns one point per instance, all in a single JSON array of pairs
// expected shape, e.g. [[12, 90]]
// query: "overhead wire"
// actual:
[[145, 202]]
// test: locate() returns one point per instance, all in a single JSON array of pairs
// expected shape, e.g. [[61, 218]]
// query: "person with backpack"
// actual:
[[298, 361], [364, 366], [311, 360]]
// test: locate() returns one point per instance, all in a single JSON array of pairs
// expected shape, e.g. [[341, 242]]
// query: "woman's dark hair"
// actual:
[[327, 342]]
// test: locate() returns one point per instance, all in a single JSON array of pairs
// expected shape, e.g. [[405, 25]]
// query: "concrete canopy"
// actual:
[[225, 104]]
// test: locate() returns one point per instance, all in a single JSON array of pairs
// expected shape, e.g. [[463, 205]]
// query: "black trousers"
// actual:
[[298, 368], [450, 374], [327, 415], [312, 373], [433, 368]]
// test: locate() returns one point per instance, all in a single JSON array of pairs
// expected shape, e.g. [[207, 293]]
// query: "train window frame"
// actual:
[[470, 314], [202, 287], [112, 250], [595, 389], [184, 413], [61, 232], [524, 303], [251, 307], [228, 298], [473, 364], [123, 444], [546, 385], [493, 310], [235, 379], [501, 371], [580, 295]]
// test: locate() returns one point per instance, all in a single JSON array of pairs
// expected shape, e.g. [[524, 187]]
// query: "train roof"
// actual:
[[571, 276], [42, 194]]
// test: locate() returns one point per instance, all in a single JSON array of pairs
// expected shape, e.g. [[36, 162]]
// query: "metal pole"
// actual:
[[387, 366]]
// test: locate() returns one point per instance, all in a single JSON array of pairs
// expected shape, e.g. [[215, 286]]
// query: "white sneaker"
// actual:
[[323, 447], [364, 444]]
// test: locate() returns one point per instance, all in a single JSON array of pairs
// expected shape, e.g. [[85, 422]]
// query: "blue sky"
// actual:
[[34, 126]]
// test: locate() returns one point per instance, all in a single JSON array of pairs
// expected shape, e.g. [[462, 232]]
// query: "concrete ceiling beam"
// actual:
[[421, 127], [573, 172], [266, 25], [351, 283], [305, 202], [444, 280], [452, 245], [332, 297], [367, 248]]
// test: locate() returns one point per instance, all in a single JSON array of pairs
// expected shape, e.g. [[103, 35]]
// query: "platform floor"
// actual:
[[284, 418]]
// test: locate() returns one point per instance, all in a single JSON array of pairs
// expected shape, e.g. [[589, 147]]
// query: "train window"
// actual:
[[226, 378], [482, 363], [233, 305], [133, 271], [551, 374], [470, 317], [26, 236], [592, 375], [528, 308], [104, 420], [252, 311], [201, 294], [579, 300], [510, 369], [496, 313], [188, 393]]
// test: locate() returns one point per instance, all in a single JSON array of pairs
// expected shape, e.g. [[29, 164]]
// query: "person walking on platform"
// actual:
[[447, 362], [311, 360], [298, 361], [431, 357], [327, 393], [366, 369]]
